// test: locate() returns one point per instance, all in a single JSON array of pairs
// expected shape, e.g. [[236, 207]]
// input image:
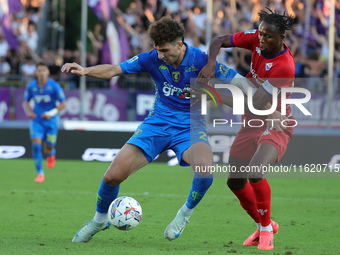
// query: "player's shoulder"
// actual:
[[193, 51], [32, 84], [286, 58], [282, 65], [196, 56], [150, 57], [52, 82], [251, 32]]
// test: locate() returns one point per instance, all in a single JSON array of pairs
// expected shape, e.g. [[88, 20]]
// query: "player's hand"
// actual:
[[277, 124], [45, 116], [73, 68], [207, 72], [32, 115], [195, 93]]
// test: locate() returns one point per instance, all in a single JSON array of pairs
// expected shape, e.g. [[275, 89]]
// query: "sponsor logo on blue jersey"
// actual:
[[42, 98], [132, 59], [171, 90], [192, 69]]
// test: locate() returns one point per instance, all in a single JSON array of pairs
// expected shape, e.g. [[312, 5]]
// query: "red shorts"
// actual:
[[249, 138]]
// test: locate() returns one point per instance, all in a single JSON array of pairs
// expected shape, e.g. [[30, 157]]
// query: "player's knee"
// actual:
[[255, 176], [48, 148], [36, 147], [202, 166], [114, 179], [236, 184]]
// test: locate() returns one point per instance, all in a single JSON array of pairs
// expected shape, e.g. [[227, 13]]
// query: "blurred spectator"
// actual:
[[53, 62], [31, 36], [23, 52], [229, 16], [314, 70], [5, 68], [72, 79], [28, 69], [3, 46], [96, 39], [130, 14], [13, 60]]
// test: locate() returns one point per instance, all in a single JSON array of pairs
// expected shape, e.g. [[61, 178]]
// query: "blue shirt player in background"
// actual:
[[171, 65], [46, 93]]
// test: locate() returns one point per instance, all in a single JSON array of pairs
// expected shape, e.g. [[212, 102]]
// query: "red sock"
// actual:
[[263, 196], [247, 199]]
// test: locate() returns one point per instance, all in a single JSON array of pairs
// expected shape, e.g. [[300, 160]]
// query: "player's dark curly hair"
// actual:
[[166, 30], [282, 22]]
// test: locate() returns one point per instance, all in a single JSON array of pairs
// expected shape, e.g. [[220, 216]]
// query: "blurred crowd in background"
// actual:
[[308, 41]]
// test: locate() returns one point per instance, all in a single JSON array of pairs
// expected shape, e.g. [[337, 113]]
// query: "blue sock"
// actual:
[[52, 153], [37, 157], [106, 194], [200, 185]]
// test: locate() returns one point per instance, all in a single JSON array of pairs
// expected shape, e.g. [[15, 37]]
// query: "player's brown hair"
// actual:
[[166, 30], [42, 64]]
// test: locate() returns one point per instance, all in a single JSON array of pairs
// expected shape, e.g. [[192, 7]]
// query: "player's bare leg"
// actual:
[[128, 160], [199, 156]]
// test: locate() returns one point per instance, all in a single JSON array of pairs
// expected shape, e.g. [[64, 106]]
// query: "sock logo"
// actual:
[[262, 212], [99, 199], [196, 196]]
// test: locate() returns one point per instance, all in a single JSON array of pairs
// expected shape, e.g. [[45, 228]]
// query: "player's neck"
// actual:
[[41, 83], [275, 53], [181, 57]]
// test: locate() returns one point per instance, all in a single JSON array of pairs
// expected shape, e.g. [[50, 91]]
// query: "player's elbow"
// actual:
[[62, 105]]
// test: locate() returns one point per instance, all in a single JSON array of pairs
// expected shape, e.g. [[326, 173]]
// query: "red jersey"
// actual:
[[268, 72]]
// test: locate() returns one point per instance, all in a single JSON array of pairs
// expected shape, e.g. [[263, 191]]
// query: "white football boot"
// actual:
[[91, 227], [176, 227]]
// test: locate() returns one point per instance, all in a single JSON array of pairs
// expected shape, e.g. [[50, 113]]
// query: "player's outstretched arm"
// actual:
[[99, 71], [208, 71]]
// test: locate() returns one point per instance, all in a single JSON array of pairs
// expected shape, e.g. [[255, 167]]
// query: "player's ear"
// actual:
[[282, 36], [179, 44]]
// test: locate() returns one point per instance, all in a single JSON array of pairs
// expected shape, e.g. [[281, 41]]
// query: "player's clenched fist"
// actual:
[[73, 68]]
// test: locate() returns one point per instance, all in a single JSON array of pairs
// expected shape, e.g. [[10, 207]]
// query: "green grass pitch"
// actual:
[[42, 218]]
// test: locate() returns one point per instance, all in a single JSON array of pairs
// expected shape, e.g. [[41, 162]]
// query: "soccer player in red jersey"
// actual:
[[272, 66]]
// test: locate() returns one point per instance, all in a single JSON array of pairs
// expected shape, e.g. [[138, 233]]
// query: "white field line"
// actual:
[[160, 195]]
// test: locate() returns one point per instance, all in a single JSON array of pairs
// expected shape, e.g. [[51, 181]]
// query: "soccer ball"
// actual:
[[125, 213]]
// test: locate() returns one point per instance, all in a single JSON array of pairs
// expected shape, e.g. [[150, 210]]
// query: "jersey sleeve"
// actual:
[[247, 39], [224, 72], [28, 93], [137, 64]]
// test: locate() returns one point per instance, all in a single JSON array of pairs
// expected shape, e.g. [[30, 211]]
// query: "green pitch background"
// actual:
[[42, 218]]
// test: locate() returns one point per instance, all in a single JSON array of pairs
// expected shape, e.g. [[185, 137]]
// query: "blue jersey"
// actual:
[[45, 98], [170, 102]]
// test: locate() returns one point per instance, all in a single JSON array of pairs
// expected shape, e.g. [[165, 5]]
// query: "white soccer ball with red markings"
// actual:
[[125, 213]]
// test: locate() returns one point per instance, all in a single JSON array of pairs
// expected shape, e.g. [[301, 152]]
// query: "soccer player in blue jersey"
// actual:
[[45, 93], [169, 125]]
